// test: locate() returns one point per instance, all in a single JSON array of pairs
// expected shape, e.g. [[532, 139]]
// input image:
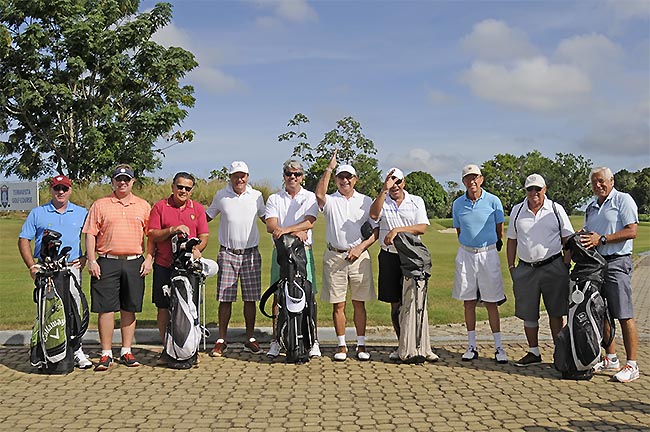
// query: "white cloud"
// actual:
[[285, 11], [533, 84], [207, 75], [418, 159], [627, 9], [592, 52], [494, 40]]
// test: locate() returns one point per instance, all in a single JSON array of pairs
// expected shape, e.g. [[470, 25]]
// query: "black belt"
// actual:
[[238, 251], [333, 249], [613, 257], [542, 262]]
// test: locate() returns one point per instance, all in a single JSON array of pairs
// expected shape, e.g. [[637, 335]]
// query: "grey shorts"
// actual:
[[618, 287], [550, 282]]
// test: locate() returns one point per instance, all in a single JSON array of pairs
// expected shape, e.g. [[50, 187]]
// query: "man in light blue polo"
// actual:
[[611, 222], [60, 215], [478, 219]]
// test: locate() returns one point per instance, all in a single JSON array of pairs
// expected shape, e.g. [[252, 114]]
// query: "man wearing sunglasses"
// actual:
[[396, 211], [115, 230], [239, 258], [478, 218], [67, 218], [169, 216], [538, 228], [346, 261], [293, 211]]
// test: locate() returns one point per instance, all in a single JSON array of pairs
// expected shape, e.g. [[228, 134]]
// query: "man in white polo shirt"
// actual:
[[346, 260], [538, 228], [239, 258], [293, 211], [396, 211]]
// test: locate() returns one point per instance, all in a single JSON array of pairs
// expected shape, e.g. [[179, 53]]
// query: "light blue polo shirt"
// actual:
[[617, 211], [68, 223], [477, 220]]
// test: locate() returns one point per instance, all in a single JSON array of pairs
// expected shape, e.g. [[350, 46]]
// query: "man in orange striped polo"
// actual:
[[114, 230]]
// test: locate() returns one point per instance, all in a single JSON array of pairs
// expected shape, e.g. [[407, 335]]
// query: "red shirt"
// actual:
[[164, 215]]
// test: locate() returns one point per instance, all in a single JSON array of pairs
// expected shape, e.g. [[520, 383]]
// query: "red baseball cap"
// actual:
[[60, 180]]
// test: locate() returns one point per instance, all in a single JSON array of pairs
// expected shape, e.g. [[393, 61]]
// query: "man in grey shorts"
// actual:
[[538, 228], [611, 222]]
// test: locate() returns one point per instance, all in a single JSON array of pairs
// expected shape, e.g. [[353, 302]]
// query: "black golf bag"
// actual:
[[62, 313], [414, 341], [295, 321], [184, 331], [578, 345]]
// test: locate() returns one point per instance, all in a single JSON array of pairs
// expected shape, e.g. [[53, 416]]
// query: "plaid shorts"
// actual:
[[246, 267]]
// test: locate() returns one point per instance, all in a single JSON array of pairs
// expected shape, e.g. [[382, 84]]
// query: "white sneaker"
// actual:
[[627, 374], [432, 358], [394, 355], [608, 365], [274, 349], [341, 353], [315, 350], [362, 353], [81, 360], [470, 354], [500, 355]]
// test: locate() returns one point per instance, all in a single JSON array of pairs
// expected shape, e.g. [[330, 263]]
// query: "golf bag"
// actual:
[[184, 331], [295, 323], [414, 341], [62, 313], [578, 345]]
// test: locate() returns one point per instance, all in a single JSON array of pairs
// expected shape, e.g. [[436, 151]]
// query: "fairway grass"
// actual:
[[17, 309]]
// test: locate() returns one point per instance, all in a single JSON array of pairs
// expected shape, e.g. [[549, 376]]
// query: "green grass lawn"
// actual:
[[17, 310]]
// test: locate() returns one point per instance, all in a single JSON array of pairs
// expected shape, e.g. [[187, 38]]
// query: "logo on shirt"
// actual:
[[192, 216]]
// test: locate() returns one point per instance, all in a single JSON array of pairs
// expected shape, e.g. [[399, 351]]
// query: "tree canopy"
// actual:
[[636, 184], [353, 148], [423, 184], [83, 87]]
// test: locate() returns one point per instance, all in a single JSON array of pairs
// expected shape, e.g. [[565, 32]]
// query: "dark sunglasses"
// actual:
[[346, 176], [123, 178], [183, 187], [397, 181], [533, 188], [294, 174], [61, 188]]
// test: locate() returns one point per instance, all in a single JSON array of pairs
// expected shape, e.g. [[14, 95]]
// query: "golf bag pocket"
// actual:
[[295, 325], [183, 331]]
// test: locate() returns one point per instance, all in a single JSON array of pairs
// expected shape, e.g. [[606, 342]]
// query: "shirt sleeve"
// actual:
[[29, 227], [511, 233], [628, 211], [421, 214], [155, 218], [271, 209], [499, 216], [261, 209], [201, 220], [214, 210], [311, 206], [454, 215], [565, 222], [92, 221]]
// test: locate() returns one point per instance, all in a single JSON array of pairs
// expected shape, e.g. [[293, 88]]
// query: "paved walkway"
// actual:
[[242, 392]]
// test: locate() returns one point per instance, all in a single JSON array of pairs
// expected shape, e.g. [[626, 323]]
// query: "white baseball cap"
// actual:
[[238, 166], [346, 168], [396, 173], [535, 180], [471, 169], [295, 305], [209, 267]]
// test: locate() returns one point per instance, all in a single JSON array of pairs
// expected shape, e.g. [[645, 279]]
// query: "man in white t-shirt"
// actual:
[[346, 261], [239, 258], [293, 211]]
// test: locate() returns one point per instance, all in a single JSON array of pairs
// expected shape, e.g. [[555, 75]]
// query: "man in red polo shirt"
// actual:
[[168, 216]]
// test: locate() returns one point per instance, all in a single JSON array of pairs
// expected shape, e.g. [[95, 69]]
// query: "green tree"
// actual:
[[423, 184], [636, 184], [567, 180], [353, 148], [503, 178], [83, 87]]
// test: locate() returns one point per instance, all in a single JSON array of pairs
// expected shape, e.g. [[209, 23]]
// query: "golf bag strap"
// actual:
[[268, 293], [83, 315]]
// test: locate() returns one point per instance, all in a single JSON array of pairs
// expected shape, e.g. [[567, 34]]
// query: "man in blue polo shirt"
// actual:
[[611, 222], [478, 219], [66, 218]]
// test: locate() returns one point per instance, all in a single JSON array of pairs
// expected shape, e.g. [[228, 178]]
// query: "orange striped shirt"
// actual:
[[118, 227]]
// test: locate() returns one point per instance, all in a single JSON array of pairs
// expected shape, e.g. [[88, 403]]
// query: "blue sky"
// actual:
[[435, 84]]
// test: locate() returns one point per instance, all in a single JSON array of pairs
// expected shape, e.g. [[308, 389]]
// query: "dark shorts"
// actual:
[[120, 287], [390, 277], [550, 282], [618, 287], [161, 276]]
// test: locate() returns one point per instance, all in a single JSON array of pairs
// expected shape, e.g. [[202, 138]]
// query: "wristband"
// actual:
[[35, 265], [92, 262], [328, 169], [511, 267]]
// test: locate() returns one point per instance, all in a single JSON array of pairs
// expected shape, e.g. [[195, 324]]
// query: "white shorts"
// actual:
[[476, 272], [338, 274]]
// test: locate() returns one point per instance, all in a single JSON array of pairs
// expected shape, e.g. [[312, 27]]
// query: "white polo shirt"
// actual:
[[538, 235], [291, 211], [239, 213], [412, 211], [344, 218]]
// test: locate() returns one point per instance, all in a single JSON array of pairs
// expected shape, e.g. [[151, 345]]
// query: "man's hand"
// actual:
[[590, 240], [388, 240], [389, 182], [146, 266], [302, 235], [332, 163], [278, 232], [94, 270], [354, 253]]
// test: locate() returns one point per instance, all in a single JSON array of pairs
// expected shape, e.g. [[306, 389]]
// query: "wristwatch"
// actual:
[[603, 240]]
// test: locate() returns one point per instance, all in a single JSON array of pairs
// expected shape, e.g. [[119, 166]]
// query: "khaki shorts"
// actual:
[[338, 274]]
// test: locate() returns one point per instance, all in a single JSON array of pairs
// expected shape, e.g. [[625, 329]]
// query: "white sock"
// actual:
[[471, 335], [125, 350], [633, 364], [497, 339], [107, 353], [612, 356], [361, 340], [534, 350], [220, 340], [341, 340]]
